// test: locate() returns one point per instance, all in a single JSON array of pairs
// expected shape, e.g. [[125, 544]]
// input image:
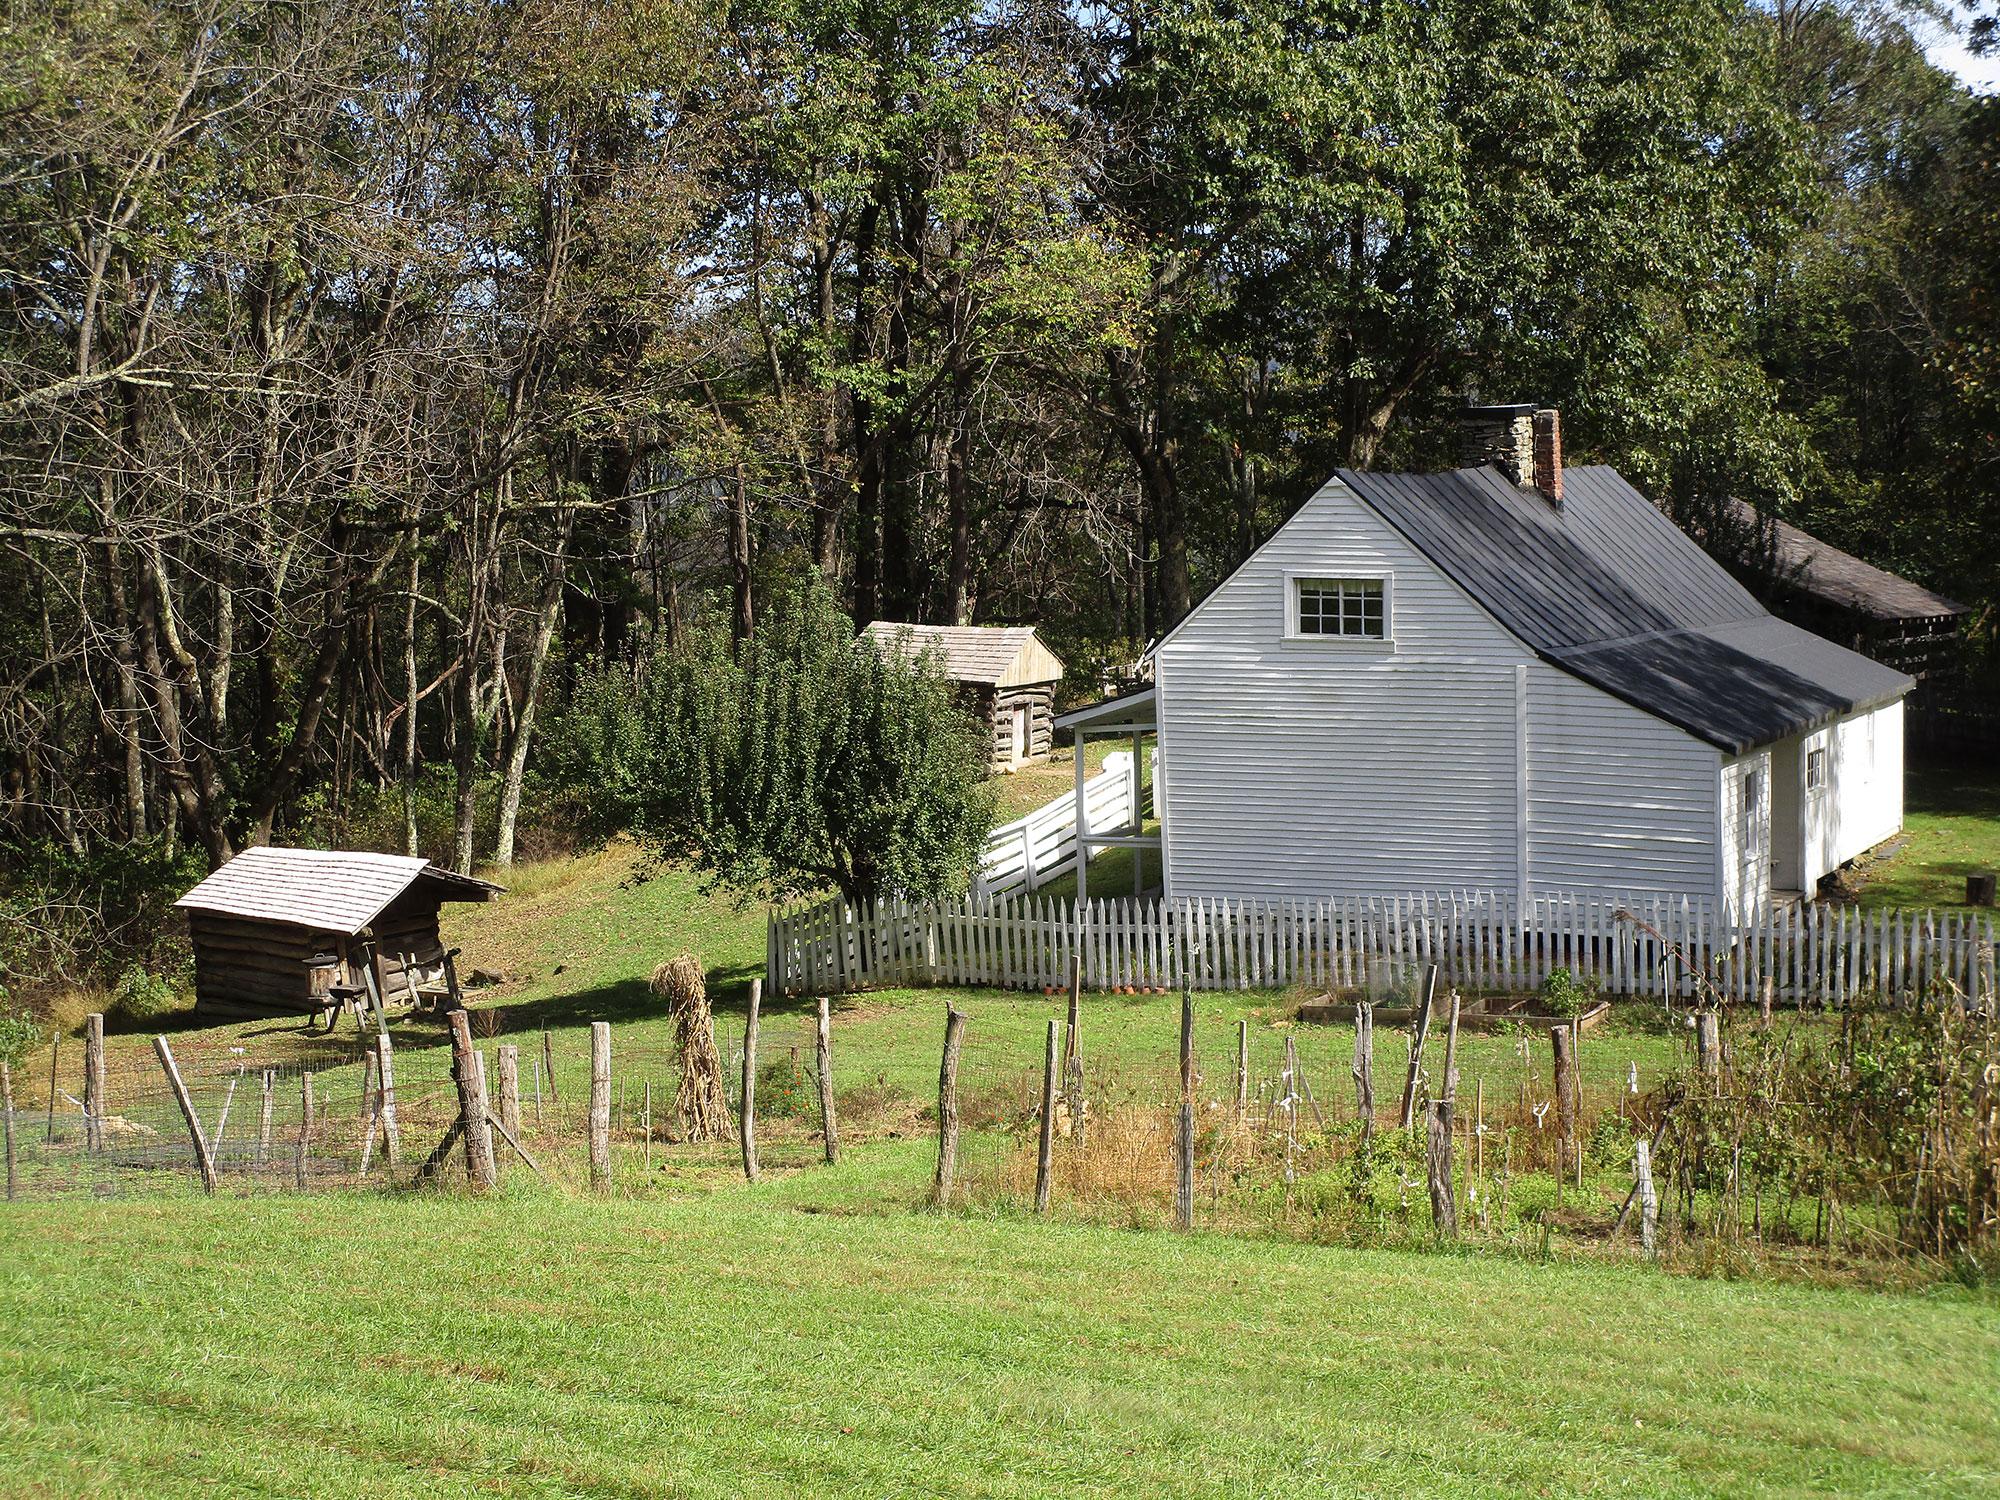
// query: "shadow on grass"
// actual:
[[1954, 789], [632, 999]]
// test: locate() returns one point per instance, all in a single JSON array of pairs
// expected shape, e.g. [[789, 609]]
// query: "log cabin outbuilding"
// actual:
[[259, 922], [1503, 676], [1006, 679]]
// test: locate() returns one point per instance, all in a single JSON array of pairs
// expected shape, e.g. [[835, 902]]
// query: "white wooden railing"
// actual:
[[1482, 940], [1028, 853]]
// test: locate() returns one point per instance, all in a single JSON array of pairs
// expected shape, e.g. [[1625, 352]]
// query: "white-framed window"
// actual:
[[1341, 608], [1816, 769]]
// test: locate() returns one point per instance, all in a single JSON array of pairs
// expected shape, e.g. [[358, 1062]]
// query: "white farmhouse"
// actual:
[[1504, 676]]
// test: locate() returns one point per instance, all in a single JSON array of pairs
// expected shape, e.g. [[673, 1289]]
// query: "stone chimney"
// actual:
[[1502, 435], [1524, 443]]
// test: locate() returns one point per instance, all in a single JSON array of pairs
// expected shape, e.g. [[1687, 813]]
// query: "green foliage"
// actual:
[[1563, 994], [786, 1090], [801, 759], [141, 996], [19, 1034], [77, 916]]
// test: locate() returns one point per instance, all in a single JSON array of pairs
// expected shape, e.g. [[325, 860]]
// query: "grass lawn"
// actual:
[[1018, 793], [1951, 820], [731, 1343]]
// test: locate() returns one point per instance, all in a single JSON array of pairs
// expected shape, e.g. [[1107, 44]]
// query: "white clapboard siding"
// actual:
[[1647, 944], [1617, 799], [1309, 765], [1030, 852]]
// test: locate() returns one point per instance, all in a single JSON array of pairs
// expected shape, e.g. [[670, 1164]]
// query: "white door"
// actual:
[[1020, 746], [1753, 829]]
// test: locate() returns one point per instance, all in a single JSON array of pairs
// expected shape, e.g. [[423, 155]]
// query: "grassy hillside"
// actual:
[[736, 1344], [577, 938]]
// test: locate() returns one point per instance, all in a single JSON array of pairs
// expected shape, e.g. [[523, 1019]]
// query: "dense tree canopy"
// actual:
[[371, 375]]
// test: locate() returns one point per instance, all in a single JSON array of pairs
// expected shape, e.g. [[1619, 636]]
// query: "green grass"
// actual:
[[821, 1333], [1951, 825], [732, 1344]]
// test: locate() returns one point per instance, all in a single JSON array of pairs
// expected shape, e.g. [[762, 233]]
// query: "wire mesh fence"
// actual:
[[1762, 1129]]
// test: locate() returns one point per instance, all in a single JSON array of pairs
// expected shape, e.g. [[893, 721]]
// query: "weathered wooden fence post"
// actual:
[[1649, 1202], [600, 1106], [385, 1083], [1184, 1126], [305, 1129], [264, 1117], [510, 1089], [1073, 1054], [202, 1159], [469, 1073], [93, 1082], [1708, 1042], [1438, 1137], [1364, 1069], [1242, 1069], [1046, 1146], [1562, 1043], [747, 1123], [823, 1065], [7, 1112], [1419, 1030], [947, 1162]]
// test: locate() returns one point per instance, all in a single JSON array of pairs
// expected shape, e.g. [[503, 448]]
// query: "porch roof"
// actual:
[[1136, 710]]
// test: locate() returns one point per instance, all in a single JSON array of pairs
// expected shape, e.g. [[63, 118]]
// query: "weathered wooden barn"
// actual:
[[260, 921], [1006, 677], [1504, 676], [1845, 598]]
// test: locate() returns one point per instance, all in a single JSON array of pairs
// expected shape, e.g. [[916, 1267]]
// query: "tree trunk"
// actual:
[[524, 722]]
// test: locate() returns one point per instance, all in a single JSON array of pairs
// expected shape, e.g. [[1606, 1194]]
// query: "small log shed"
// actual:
[[1006, 679], [259, 921]]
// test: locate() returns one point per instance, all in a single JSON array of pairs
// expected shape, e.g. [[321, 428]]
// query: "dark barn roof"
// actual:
[[1806, 565], [1608, 589]]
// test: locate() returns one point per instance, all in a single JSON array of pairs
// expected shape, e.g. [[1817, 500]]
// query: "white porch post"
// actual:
[[1082, 822], [1138, 821]]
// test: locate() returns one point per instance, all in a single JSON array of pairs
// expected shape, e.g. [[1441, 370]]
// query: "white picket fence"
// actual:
[[1030, 852], [1482, 940]]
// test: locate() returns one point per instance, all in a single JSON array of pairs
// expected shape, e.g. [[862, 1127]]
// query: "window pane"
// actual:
[[1341, 607]]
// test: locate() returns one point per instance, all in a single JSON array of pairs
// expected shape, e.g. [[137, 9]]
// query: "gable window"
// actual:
[[1349, 607], [1815, 770]]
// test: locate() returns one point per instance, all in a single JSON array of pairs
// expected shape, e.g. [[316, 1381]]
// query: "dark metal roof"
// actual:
[[1611, 591]]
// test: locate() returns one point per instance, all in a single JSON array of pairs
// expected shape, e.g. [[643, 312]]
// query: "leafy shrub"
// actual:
[[1563, 994], [787, 1091], [799, 760], [19, 1035], [141, 996]]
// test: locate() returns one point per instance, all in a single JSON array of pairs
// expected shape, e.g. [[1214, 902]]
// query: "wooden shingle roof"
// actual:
[[1806, 565], [329, 890], [988, 655]]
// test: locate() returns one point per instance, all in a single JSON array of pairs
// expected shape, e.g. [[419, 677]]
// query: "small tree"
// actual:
[[803, 758]]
